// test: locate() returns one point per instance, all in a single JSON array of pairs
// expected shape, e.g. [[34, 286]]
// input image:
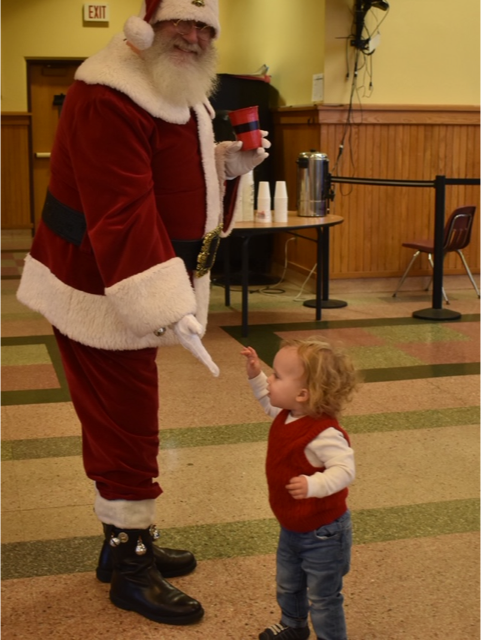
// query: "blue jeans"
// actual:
[[310, 568]]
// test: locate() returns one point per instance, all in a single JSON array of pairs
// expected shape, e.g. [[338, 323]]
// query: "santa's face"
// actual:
[[182, 61], [187, 36]]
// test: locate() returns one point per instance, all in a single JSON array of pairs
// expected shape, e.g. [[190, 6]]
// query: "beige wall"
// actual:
[[49, 29], [287, 35], [429, 52], [254, 32]]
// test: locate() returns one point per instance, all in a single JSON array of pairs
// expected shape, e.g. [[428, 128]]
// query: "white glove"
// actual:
[[188, 331], [238, 162]]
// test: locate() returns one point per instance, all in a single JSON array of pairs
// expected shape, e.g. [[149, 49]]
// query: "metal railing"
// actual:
[[439, 184]]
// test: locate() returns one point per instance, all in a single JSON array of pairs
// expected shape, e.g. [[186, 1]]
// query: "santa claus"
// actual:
[[139, 195]]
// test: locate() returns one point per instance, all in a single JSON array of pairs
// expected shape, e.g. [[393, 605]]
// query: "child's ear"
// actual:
[[303, 395]]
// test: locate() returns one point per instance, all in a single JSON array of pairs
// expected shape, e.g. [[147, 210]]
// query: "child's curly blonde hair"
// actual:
[[330, 375]]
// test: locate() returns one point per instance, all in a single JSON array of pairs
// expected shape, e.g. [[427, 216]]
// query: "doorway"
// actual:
[[48, 82]]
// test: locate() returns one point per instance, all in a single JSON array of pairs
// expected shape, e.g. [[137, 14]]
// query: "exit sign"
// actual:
[[96, 12]]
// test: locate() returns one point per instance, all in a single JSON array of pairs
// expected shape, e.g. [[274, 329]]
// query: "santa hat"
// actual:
[[138, 29]]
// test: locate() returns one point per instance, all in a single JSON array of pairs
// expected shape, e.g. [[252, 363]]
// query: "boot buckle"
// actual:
[[154, 532], [140, 548], [120, 539]]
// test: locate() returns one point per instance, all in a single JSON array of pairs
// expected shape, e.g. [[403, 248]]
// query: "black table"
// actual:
[[246, 230]]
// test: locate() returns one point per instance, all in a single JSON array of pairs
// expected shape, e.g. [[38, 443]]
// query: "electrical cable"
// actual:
[[298, 298], [383, 18], [349, 115], [271, 289], [364, 63], [347, 128]]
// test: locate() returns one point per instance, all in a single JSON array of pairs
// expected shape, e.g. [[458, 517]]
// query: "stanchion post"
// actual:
[[436, 312], [440, 206]]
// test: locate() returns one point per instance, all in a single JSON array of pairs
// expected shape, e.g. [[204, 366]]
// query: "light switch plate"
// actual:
[[318, 87]]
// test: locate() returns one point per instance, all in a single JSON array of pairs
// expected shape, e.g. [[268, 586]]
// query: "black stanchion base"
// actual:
[[436, 314], [326, 304]]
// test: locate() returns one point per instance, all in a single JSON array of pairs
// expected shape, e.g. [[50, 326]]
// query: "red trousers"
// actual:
[[115, 395]]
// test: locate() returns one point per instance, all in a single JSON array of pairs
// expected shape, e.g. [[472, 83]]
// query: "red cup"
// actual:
[[246, 126]]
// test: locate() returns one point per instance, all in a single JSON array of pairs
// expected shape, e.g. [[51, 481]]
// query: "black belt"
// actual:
[[188, 250], [69, 224], [64, 221]]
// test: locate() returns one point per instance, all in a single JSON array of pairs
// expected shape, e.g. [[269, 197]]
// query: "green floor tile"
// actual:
[[244, 538], [28, 347], [380, 357], [410, 420], [24, 355], [425, 334], [7, 451]]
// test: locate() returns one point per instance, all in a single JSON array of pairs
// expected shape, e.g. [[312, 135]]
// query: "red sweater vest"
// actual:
[[286, 460]]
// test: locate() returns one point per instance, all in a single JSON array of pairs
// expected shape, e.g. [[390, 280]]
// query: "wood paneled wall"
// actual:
[[16, 192], [391, 142], [411, 143]]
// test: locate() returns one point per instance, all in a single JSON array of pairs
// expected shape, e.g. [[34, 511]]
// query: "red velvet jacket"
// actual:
[[142, 172]]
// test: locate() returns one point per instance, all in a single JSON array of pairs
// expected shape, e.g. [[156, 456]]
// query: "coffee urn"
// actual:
[[313, 184]]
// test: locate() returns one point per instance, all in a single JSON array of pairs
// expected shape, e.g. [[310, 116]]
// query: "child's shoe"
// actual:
[[281, 632]]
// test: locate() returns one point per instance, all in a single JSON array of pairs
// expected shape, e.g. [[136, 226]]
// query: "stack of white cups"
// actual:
[[280, 202], [264, 213]]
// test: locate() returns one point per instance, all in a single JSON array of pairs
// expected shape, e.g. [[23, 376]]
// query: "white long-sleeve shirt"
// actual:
[[329, 450]]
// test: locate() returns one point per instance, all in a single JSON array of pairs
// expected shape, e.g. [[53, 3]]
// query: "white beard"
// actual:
[[182, 81]]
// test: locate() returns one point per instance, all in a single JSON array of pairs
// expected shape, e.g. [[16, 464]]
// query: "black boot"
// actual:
[[170, 562], [138, 586]]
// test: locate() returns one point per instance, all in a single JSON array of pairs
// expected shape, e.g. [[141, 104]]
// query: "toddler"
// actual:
[[309, 466]]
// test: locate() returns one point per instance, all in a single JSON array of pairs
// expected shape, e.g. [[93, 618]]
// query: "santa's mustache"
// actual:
[[191, 47], [163, 46]]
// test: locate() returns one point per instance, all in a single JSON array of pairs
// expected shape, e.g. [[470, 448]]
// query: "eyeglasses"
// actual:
[[184, 27]]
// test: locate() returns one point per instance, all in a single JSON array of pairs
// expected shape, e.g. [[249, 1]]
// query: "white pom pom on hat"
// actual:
[[139, 33], [138, 29]]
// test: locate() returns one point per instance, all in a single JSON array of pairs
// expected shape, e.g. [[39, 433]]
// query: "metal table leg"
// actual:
[[227, 271], [245, 286], [323, 264]]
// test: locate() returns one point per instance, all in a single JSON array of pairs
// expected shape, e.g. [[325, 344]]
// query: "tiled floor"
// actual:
[[414, 426]]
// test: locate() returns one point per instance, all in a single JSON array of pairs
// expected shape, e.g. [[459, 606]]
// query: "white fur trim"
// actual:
[[125, 514], [162, 294], [118, 67], [213, 185], [220, 151], [139, 33], [94, 320], [235, 216], [207, 12], [202, 295]]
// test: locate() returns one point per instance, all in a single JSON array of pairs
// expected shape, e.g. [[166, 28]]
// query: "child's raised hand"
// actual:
[[297, 487], [253, 364]]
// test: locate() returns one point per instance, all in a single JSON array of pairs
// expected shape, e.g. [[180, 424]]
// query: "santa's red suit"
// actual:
[[111, 288], [116, 288], [118, 266]]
